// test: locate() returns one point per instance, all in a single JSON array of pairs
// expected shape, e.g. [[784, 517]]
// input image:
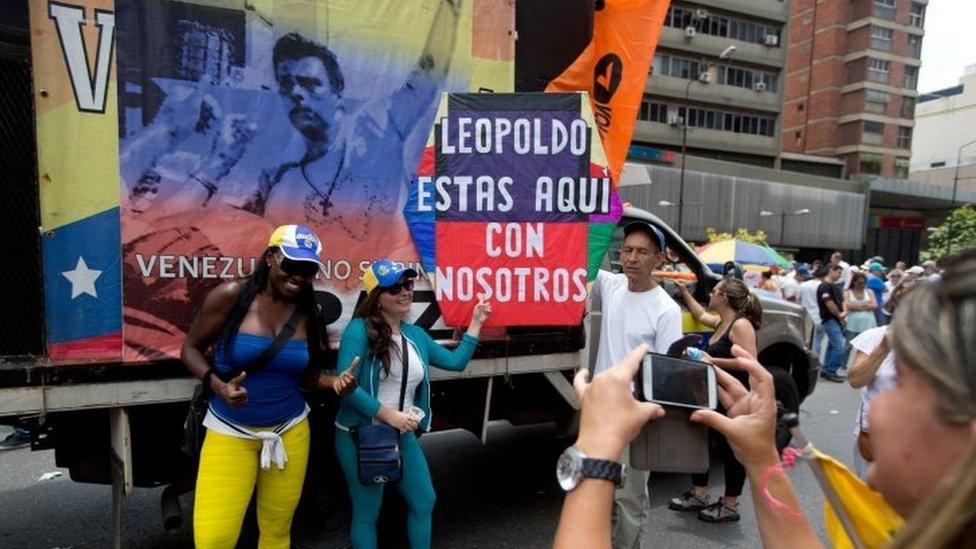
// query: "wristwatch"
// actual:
[[573, 466]]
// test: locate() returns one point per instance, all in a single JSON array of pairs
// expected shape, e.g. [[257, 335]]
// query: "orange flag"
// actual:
[[613, 69]]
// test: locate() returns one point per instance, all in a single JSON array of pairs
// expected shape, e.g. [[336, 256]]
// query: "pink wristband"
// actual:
[[789, 460]]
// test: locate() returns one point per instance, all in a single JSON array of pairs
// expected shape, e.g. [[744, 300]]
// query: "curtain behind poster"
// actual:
[[233, 121]]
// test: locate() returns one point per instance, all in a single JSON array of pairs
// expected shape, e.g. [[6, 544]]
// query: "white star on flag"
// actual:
[[82, 279]]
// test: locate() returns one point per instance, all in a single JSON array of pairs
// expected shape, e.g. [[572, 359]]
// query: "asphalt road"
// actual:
[[502, 495]]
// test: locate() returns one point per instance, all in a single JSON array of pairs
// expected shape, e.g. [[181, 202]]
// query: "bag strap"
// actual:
[[280, 339], [406, 371]]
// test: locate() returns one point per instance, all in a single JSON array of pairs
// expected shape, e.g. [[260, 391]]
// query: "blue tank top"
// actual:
[[274, 391]]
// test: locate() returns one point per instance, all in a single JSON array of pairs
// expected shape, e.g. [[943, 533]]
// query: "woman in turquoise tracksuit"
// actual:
[[377, 334]]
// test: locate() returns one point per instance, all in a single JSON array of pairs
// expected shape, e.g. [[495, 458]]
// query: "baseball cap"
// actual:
[[929, 263], [648, 229], [384, 273], [876, 266], [297, 242], [915, 270], [803, 269]]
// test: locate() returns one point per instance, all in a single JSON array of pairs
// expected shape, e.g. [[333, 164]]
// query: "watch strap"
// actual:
[[603, 469]]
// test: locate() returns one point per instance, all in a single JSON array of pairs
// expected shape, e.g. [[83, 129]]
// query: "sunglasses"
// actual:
[[304, 269], [399, 287]]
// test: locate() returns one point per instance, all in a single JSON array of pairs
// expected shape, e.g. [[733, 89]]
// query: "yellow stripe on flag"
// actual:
[[873, 519]]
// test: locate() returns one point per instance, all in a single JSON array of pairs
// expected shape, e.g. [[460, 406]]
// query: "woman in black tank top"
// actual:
[[737, 315]]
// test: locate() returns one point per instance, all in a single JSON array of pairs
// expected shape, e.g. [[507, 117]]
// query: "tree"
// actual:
[[954, 235], [758, 237]]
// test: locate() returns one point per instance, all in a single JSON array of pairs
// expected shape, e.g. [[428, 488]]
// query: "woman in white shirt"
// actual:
[[873, 372]]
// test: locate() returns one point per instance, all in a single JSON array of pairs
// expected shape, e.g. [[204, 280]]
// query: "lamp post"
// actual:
[[782, 220], [726, 53], [955, 187]]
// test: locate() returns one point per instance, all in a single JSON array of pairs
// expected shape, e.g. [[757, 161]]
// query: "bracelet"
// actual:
[[789, 458]]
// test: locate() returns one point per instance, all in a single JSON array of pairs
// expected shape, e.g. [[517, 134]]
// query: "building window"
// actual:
[[917, 16], [875, 101], [747, 78], [870, 163], [720, 25], [698, 117], [881, 38], [914, 46], [885, 9], [677, 67], [908, 107], [904, 137], [873, 132], [911, 77], [901, 167], [878, 70]]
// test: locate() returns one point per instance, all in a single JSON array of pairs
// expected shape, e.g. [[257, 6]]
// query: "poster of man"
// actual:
[[237, 118]]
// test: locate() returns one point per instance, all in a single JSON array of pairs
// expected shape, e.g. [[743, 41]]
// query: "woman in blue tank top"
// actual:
[[257, 431]]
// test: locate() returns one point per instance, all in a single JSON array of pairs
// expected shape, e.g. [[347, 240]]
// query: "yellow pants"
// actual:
[[229, 468]]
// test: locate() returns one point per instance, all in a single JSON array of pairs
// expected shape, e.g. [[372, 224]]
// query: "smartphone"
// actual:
[[671, 381]]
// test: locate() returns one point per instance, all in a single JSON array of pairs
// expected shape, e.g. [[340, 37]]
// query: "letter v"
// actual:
[[90, 93]]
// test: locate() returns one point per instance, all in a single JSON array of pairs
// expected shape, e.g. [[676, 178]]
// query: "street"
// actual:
[[502, 495]]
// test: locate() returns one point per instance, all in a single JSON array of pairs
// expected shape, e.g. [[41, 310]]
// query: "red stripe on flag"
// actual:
[[102, 347]]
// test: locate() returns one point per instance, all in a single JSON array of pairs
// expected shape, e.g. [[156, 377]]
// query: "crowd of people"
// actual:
[[258, 343]]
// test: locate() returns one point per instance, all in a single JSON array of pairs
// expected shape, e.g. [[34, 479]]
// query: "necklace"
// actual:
[[327, 196]]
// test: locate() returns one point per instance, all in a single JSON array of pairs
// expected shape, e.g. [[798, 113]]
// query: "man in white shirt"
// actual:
[[808, 299], [635, 310], [837, 258]]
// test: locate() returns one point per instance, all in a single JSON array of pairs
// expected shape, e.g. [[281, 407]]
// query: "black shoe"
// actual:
[[687, 501], [718, 512], [832, 377], [17, 439]]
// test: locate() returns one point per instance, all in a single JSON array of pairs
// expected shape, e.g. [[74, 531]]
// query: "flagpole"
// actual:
[[806, 449]]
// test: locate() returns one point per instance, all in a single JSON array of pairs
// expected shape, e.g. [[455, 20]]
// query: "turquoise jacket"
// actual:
[[359, 407]]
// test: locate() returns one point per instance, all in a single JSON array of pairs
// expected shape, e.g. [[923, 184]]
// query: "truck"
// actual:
[[117, 417]]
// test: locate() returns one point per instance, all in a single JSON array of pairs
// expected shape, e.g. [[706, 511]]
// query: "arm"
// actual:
[[696, 310], [410, 102], [866, 365], [872, 304], [457, 360], [352, 345], [203, 332], [611, 418], [750, 429]]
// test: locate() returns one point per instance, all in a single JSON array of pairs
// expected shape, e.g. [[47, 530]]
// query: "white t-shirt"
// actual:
[[631, 318], [845, 274], [789, 286], [389, 389], [866, 342], [808, 298]]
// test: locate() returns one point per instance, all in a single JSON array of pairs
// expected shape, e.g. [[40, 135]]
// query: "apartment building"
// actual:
[[851, 77], [732, 105]]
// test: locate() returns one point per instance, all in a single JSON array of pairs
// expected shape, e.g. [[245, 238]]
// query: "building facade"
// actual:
[[851, 77], [732, 106], [944, 151]]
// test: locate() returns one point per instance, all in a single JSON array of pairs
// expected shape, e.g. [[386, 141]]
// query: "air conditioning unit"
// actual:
[[759, 86], [674, 119], [690, 31], [704, 77], [701, 13], [772, 40]]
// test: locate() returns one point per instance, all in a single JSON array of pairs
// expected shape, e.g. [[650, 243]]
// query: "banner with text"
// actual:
[[513, 200]]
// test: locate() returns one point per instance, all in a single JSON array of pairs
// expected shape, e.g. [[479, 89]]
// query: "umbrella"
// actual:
[[742, 252]]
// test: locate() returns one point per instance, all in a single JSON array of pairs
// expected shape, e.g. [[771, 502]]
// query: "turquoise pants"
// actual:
[[415, 487]]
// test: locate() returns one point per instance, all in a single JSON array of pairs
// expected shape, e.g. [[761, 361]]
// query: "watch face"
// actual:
[[569, 469]]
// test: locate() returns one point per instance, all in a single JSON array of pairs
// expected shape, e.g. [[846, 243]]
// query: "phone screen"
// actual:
[[677, 381]]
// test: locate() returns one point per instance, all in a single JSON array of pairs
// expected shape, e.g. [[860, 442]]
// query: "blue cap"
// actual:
[[803, 269], [297, 242], [648, 229], [876, 267], [384, 273]]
